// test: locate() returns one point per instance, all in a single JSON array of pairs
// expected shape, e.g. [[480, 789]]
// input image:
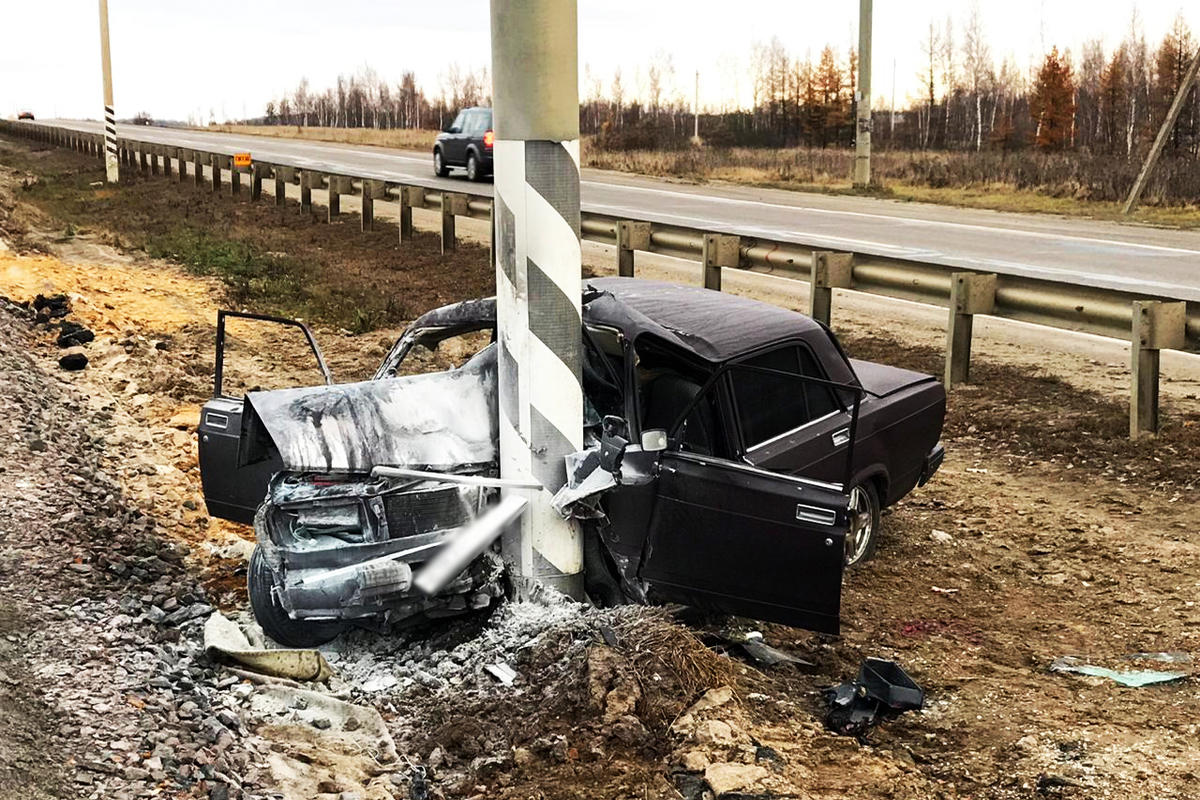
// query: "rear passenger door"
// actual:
[[787, 423], [455, 144]]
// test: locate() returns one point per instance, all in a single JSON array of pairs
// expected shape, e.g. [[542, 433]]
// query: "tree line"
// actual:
[[1094, 101]]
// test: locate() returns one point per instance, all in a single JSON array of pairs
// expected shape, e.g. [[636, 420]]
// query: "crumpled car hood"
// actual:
[[441, 419]]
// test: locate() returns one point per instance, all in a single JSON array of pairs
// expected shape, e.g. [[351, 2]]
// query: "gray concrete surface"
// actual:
[[1113, 255]]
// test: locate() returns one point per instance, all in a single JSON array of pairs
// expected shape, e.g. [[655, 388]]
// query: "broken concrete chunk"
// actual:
[[725, 778], [223, 637]]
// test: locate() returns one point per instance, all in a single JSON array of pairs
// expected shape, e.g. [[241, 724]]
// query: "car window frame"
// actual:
[[742, 447]]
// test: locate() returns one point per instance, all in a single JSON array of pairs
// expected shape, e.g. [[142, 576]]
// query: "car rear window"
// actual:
[[769, 405]]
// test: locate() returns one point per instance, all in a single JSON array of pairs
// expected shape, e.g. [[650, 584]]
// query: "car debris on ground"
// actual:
[[882, 690], [1132, 678]]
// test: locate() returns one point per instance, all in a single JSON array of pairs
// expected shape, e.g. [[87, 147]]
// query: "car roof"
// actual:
[[716, 326]]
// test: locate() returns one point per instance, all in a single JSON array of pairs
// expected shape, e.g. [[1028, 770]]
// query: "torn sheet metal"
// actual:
[[1132, 678], [223, 636], [441, 419], [586, 481]]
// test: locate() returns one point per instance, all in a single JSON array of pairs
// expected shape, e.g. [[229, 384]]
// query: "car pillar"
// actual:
[[537, 229]]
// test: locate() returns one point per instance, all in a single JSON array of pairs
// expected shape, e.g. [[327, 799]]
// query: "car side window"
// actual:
[[459, 121], [477, 123], [771, 404]]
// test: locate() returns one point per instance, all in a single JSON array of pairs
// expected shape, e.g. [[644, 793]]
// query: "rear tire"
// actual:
[[864, 523], [274, 619], [473, 171], [439, 166]]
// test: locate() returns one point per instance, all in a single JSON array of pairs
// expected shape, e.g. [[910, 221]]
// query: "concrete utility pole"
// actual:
[[862, 135], [535, 88], [696, 110], [111, 165], [1160, 141]]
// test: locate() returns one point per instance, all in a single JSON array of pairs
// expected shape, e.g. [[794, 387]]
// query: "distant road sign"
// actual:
[[241, 159]]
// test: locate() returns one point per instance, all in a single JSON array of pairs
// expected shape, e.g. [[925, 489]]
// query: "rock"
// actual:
[[188, 419], [321, 723], [522, 756], [941, 537], [711, 699], [73, 361], [715, 732], [76, 338], [219, 791], [629, 730], [694, 761], [724, 778]]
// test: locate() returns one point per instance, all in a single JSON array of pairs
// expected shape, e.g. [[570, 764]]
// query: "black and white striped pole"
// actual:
[[111, 163], [535, 74]]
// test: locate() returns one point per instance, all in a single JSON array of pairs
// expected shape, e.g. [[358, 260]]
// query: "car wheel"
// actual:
[[864, 523], [473, 171], [439, 167], [274, 619]]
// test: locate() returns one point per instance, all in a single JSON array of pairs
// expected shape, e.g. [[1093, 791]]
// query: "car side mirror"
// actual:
[[454, 129], [654, 441], [614, 438]]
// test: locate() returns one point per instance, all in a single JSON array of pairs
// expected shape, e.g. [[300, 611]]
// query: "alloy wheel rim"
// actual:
[[437, 162], [472, 168], [861, 522]]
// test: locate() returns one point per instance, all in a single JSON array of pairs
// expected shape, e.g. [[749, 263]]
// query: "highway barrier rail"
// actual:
[[1149, 323]]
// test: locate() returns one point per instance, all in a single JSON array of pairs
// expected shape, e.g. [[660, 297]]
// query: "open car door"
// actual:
[[234, 486], [732, 538]]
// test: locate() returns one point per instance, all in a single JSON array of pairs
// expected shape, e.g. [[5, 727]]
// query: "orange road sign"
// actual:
[[241, 159]]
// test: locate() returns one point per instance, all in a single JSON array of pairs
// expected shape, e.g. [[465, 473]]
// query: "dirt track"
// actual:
[[1046, 534]]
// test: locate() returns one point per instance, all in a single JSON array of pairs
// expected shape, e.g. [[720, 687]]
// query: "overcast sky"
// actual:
[[179, 59]]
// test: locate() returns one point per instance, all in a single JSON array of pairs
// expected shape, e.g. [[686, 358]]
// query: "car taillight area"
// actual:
[[488, 139]]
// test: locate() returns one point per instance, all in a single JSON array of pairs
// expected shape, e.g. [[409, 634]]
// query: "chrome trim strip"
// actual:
[[706, 460], [785, 434]]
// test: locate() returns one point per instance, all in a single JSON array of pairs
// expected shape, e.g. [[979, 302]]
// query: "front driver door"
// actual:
[[732, 538]]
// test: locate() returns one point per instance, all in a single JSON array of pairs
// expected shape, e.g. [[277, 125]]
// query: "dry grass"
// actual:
[[400, 138], [1066, 184]]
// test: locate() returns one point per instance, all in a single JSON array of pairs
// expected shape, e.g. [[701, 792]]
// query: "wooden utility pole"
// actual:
[[1139, 186]]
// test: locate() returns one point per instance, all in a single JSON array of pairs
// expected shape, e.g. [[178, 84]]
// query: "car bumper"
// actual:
[[932, 462]]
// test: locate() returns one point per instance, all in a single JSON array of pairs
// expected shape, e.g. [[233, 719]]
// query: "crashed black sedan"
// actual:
[[738, 461]]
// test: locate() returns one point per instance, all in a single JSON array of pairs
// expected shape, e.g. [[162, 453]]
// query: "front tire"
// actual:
[[864, 523], [439, 166], [473, 171], [274, 619]]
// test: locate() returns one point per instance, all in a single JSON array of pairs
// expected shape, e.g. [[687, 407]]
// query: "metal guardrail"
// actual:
[[1148, 322]]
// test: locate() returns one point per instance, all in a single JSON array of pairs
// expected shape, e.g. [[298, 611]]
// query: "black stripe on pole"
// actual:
[[550, 448], [548, 167], [553, 318]]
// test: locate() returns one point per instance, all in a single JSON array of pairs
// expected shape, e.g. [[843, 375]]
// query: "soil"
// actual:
[[1046, 533]]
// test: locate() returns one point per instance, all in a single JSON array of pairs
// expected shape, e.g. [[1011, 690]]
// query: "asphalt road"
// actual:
[[1129, 257]]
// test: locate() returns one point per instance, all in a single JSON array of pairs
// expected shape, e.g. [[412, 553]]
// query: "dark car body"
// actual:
[[25, 115], [768, 427], [466, 142]]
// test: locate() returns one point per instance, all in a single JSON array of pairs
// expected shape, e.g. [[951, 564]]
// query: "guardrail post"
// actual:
[[215, 162], [971, 293], [371, 190], [631, 237], [257, 173], [184, 156], [235, 181], [154, 155], [197, 168], [306, 183], [143, 159], [829, 271], [1156, 326], [283, 176], [166, 159], [720, 250], [338, 186], [453, 204], [409, 196]]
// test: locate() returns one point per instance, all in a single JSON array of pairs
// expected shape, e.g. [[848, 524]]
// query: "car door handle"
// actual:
[[841, 437], [815, 515]]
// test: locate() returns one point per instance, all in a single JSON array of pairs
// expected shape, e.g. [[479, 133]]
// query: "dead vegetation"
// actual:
[[399, 138]]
